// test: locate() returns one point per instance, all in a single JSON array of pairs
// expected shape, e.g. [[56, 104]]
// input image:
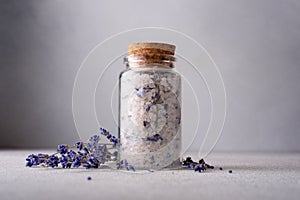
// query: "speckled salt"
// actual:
[[150, 116]]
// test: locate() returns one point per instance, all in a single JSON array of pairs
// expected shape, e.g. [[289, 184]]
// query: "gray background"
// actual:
[[255, 43]]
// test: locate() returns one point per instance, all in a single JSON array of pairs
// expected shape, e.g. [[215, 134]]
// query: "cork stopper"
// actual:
[[151, 53], [151, 48]]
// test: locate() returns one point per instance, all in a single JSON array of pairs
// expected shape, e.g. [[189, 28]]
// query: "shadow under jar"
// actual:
[[150, 107]]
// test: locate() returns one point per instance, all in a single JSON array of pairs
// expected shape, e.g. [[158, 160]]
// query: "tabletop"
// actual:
[[254, 176]]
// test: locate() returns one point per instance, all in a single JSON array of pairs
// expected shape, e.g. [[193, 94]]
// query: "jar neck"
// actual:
[[149, 60]]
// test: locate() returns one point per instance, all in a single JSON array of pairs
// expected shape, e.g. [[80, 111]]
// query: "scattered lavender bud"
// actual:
[[89, 178], [221, 168], [150, 170], [230, 171], [201, 166], [118, 165], [130, 168], [125, 163], [197, 168]]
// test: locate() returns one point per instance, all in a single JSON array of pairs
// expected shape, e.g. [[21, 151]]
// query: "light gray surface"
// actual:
[[255, 176], [255, 43]]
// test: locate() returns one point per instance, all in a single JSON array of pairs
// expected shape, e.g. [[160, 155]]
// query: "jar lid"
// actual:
[[151, 48]]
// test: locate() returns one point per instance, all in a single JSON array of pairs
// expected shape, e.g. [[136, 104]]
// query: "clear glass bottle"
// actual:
[[150, 107]]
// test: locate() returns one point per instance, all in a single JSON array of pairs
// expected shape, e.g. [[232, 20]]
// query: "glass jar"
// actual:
[[150, 107]]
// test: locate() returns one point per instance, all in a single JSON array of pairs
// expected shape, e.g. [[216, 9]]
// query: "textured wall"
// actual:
[[255, 43]]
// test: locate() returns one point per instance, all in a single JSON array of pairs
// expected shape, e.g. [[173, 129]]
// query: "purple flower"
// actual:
[[52, 161], [79, 145], [130, 168], [94, 139], [64, 161], [109, 136], [76, 162], [62, 149], [118, 165], [32, 160], [89, 155], [93, 162], [71, 155]]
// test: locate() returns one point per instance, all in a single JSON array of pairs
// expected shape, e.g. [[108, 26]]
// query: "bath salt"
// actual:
[[150, 107]]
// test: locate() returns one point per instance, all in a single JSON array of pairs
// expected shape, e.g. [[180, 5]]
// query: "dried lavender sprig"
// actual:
[[67, 158], [109, 136], [89, 155]]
